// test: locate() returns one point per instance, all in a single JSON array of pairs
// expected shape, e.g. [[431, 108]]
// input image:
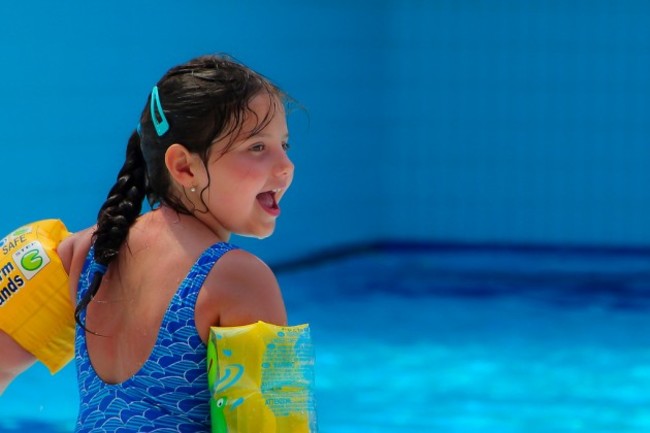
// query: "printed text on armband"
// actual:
[[8, 245], [5, 270], [10, 285]]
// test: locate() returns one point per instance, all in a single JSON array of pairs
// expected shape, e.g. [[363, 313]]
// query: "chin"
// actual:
[[259, 234]]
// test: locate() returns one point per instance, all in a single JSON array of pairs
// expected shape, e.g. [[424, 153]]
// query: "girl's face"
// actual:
[[245, 184]]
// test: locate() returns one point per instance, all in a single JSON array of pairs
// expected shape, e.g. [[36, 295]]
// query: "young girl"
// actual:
[[210, 155]]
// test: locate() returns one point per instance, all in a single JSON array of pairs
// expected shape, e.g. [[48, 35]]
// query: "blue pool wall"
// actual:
[[480, 122]]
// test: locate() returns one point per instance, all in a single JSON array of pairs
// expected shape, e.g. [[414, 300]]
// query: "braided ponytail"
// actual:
[[117, 214]]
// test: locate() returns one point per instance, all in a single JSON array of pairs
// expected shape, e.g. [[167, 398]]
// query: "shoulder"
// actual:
[[75, 247], [246, 290], [241, 266], [73, 251]]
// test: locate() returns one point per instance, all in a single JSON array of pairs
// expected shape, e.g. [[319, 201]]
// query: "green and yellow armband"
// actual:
[[35, 306], [261, 379]]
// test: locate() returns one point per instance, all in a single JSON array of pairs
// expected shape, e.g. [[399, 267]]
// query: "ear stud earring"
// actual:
[[193, 189]]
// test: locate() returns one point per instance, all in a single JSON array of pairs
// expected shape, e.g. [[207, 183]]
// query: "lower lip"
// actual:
[[273, 211]]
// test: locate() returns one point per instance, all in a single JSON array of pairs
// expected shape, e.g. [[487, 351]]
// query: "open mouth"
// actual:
[[268, 201]]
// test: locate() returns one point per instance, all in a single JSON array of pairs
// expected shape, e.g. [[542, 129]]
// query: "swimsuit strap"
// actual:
[[189, 287], [201, 268]]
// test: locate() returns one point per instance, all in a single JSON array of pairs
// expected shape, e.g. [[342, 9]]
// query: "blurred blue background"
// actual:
[[431, 121]]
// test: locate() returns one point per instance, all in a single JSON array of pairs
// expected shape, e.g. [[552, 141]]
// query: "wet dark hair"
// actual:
[[202, 100]]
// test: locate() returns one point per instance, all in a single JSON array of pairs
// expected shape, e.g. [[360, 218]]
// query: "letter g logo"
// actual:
[[31, 261]]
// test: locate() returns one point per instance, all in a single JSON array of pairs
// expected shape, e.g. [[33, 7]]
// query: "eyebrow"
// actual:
[[264, 135]]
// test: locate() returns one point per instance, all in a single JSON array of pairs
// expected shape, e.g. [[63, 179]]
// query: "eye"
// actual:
[[258, 147], [286, 146]]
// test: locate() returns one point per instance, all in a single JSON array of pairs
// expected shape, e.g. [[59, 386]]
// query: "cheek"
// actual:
[[235, 185], [248, 176], [236, 180]]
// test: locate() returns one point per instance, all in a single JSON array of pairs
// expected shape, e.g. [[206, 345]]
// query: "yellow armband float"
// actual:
[[261, 379], [35, 306]]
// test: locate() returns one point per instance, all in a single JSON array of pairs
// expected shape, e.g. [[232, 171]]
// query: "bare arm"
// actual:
[[240, 290], [14, 360]]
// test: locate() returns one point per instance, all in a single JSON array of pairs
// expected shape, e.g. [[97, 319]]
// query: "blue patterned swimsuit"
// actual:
[[170, 392]]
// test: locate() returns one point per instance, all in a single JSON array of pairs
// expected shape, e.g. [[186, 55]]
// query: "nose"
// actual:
[[284, 167]]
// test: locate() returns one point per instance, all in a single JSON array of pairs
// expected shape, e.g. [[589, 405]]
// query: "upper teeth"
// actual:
[[276, 190]]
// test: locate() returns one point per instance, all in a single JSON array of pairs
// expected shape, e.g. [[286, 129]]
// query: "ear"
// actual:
[[184, 167]]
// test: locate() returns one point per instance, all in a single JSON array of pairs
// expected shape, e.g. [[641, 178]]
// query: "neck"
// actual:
[[202, 224]]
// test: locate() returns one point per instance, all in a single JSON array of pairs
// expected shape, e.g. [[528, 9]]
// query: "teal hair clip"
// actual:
[[161, 125]]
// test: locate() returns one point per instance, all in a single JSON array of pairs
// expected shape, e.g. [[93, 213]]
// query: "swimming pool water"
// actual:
[[453, 341], [481, 341]]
